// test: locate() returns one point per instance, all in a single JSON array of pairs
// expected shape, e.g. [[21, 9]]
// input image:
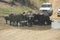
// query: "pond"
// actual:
[[55, 24]]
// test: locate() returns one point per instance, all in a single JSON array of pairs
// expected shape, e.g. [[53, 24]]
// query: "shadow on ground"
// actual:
[[35, 27]]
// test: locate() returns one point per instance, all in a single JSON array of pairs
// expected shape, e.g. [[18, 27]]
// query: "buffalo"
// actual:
[[28, 19]]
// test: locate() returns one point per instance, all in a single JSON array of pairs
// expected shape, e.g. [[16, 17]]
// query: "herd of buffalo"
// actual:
[[28, 19]]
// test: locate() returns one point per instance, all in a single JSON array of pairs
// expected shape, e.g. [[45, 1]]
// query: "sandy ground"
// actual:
[[8, 32]]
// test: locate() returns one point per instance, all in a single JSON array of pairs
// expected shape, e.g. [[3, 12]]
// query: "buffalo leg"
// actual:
[[6, 21], [10, 22]]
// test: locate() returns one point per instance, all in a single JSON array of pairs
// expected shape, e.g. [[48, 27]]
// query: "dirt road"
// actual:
[[22, 34]]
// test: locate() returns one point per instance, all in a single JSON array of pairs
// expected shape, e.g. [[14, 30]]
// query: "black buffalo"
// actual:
[[7, 19], [15, 19], [28, 19]]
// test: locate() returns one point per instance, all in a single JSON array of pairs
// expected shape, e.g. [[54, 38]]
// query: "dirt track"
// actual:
[[22, 34]]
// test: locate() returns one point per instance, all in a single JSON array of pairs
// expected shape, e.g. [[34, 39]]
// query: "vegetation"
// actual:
[[20, 6]]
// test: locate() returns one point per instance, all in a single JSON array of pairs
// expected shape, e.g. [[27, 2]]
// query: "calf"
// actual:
[[6, 18]]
